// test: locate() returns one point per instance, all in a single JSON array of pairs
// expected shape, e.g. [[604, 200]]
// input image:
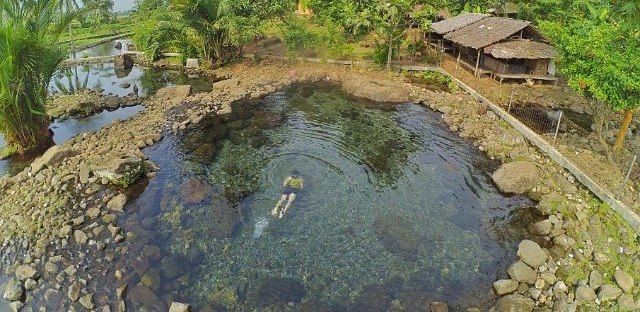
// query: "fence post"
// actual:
[[555, 136], [633, 162], [511, 99]]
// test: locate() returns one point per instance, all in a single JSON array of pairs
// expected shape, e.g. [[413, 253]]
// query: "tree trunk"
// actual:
[[628, 117], [389, 53]]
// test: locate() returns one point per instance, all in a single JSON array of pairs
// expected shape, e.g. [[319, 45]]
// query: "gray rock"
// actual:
[[122, 172], [595, 279], [13, 290], [84, 173], [521, 272], [531, 253], [125, 85], [192, 63], [564, 241], [516, 177], [15, 306], [80, 237], [64, 231], [179, 307], [437, 306], [93, 212], [52, 156], [541, 227], [24, 272], [505, 286], [585, 293], [514, 303], [117, 203], [624, 280], [626, 303], [608, 292], [30, 284], [378, 91]]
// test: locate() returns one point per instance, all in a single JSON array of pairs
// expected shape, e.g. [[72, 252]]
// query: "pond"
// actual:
[[390, 208], [104, 49]]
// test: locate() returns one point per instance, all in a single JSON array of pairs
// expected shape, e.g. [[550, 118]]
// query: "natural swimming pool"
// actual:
[[394, 209]]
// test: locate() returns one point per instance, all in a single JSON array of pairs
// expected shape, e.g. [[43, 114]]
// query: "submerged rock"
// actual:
[[398, 235], [373, 298], [514, 303], [194, 191], [279, 290], [517, 177], [142, 296], [123, 62]]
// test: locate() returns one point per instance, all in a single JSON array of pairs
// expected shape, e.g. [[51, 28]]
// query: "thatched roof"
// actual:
[[486, 31], [522, 49], [454, 23]]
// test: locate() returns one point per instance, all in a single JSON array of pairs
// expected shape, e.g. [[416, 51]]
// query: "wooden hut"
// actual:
[[499, 47]]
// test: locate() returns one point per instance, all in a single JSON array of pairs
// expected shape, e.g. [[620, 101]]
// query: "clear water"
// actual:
[[103, 49], [395, 209]]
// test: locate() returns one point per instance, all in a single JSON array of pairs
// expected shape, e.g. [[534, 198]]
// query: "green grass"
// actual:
[[81, 36]]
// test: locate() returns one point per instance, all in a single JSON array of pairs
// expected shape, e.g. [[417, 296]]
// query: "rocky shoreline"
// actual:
[[86, 103], [58, 217]]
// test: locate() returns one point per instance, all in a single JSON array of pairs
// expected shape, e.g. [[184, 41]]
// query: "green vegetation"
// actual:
[[80, 35], [30, 51]]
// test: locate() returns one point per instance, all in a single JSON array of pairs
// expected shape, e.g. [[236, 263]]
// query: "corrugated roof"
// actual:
[[457, 22], [522, 49], [486, 31]]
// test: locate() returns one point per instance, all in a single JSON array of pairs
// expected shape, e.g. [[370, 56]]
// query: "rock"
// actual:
[[30, 284], [608, 292], [514, 303], [585, 293], [13, 290], [378, 91], [194, 191], [125, 85], [521, 272], [123, 62], [626, 303], [192, 63], [179, 307], [80, 237], [93, 212], [16, 306], [64, 231], [117, 203], [540, 228], [74, 291], [84, 173], [564, 241], [531, 253], [437, 306], [505, 286], [142, 296], [118, 45], [624, 280], [595, 279], [560, 288], [516, 177], [87, 301], [24, 272], [52, 156], [398, 235], [151, 279], [123, 172]]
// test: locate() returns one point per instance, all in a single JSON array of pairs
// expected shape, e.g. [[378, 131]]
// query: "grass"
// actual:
[[81, 36]]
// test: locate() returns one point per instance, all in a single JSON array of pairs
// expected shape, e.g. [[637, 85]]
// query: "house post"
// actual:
[[477, 63], [458, 60]]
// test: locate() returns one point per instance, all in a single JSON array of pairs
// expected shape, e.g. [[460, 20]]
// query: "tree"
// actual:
[[598, 53], [394, 17], [30, 51]]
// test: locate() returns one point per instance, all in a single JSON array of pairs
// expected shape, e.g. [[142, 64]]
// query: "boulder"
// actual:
[[123, 62], [624, 280], [521, 272], [52, 156], [595, 279], [541, 227], [608, 292], [13, 290], [505, 286], [585, 293], [192, 63], [179, 307], [627, 303], [517, 177], [123, 172], [24, 272], [117, 203], [378, 91], [514, 303], [531, 253]]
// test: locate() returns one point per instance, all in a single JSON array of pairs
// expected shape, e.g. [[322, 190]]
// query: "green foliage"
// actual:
[[30, 51], [433, 80], [300, 35]]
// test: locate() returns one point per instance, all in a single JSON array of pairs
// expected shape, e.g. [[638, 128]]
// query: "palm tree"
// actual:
[[30, 51]]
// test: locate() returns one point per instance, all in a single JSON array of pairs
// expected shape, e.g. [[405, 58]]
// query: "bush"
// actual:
[[301, 36], [433, 80]]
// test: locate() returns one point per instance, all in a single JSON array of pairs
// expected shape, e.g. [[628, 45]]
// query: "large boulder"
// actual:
[[517, 177], [123, 172], [514, 303], [52, 156], [378, 91]]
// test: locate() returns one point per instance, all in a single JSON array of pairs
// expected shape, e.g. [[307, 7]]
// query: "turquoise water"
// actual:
[[395, 210]]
